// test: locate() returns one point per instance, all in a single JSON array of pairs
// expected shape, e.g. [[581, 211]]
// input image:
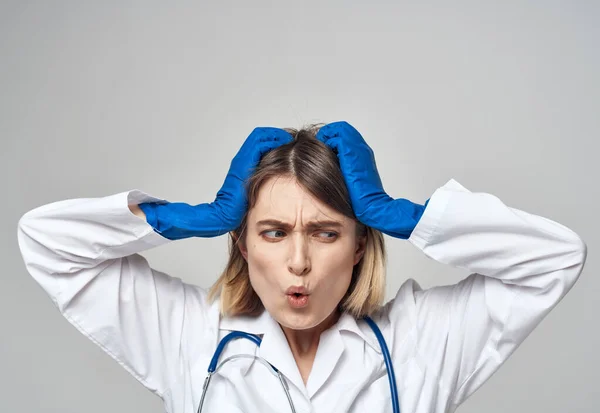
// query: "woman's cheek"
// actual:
[[263, 264], [265, 255], [335, 260]]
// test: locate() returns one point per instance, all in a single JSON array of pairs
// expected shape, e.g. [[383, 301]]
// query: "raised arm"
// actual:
[[84, 254], [522, 265]]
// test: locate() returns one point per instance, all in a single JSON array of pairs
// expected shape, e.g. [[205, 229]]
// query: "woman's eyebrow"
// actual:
[[309, 225]]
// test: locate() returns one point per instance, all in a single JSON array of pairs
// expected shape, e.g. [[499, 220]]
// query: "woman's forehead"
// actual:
[[284, 199]]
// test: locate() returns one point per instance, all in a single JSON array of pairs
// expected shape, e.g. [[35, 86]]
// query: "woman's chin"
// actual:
[[298, 321], [298, 324], [303, 320]]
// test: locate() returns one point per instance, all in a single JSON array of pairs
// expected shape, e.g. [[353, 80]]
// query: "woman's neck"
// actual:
[[304, 343]]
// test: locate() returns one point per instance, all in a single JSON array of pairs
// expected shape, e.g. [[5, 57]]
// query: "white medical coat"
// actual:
[[445, 341]]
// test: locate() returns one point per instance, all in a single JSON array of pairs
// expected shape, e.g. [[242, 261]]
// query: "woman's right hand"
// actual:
[[231, 202], [225, 213]]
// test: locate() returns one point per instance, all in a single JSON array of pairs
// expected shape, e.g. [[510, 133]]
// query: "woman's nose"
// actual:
[[299, 261]]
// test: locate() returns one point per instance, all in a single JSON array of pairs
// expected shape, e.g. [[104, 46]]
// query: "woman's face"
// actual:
[[296, 244]]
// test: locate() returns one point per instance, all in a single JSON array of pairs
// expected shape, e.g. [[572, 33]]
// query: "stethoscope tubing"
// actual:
[[214, 365]]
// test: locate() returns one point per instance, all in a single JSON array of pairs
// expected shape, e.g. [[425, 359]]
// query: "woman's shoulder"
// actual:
[[418, 308], [413, 300], [404, 301], [202, 316]]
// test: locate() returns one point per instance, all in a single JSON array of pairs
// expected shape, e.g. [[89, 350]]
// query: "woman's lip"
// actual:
[[296, 290], [297, 301]]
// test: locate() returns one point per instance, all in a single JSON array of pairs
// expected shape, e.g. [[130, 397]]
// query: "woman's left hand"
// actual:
[[372, 205]]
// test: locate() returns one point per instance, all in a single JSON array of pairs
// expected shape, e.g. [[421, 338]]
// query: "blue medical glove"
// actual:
[[181, 220], [372, 205]]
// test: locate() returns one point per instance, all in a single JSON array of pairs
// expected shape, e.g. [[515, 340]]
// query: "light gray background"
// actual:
[[98, 98]]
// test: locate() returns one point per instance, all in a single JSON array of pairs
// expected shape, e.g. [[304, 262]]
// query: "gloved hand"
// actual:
[[181, 220], [372, 205]]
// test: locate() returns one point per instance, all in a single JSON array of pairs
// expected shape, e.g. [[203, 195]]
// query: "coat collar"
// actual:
[[264, 322], [275, 349]]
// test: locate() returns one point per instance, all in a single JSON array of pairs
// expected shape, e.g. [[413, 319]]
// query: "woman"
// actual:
[[306, 266]]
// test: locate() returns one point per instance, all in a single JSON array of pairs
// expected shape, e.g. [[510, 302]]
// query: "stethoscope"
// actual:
[[213, 367]]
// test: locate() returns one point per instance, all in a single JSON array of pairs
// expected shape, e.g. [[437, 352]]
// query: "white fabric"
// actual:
[[445, 341]]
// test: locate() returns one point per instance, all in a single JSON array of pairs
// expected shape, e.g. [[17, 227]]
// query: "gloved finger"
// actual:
[[276, 137], [263, 148], [269, 142], [333, 143], [329, 131], [267, 134]]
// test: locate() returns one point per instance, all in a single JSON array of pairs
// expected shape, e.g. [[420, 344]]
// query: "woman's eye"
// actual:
[[274, 233], [324, 235], [328, 235]]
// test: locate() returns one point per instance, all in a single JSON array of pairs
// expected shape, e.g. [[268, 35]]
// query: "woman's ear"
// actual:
[[361, 245], [240, 244]]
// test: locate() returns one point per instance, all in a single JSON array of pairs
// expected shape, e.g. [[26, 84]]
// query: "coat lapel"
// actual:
[[276, 350], [328, 354], [274, 347]]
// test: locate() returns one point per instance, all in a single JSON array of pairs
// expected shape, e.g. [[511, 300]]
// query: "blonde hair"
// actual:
[[316, 168]]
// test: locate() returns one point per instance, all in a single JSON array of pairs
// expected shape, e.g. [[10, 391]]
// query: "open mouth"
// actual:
[[298, 290], [297, 297], [297, 300]]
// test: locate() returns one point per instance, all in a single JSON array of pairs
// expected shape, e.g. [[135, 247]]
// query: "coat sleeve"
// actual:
[[522, 265], [84, 254]]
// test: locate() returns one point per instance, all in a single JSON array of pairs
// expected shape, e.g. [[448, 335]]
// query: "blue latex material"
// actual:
[[177, 220], [372, 205]]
